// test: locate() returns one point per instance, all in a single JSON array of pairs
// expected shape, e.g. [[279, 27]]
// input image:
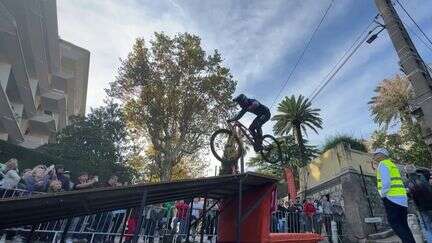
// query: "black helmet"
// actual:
[[240, 98]]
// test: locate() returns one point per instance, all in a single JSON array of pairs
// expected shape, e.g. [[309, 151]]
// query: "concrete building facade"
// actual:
[[337, 174], [43, 78]]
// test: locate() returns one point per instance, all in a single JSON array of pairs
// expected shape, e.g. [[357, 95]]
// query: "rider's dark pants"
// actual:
[[255, 127]]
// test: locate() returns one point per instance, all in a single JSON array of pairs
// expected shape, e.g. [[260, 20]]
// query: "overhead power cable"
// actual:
[[302, 54], [426, 44], [343, 60], [415, 22], [420, 39]]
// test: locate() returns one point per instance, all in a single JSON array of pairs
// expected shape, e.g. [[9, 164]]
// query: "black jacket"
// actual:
[[252, 106], [420, 191]]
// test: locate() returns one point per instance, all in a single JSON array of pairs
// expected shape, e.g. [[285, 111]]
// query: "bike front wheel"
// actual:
[[271, 151], [225, 146]]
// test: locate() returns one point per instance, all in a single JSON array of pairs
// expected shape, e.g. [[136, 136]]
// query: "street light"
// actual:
[[374, 36]]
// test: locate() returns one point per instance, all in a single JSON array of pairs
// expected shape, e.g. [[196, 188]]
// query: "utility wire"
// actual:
[[302, 54], [412, 19], [343, 60], [424, 43], [420, 39], [336, 71]]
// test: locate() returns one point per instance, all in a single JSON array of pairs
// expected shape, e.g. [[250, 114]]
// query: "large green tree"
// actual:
[[95, 143], [173, 95], [147, 171], [407, 146], [391, 105], [297, 114], [290, 158]]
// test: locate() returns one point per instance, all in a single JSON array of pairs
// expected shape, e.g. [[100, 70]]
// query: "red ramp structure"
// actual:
[[253, 213]]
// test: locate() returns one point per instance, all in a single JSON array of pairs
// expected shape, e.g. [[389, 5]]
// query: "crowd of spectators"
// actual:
[[43, 178], [308, 216], [171, 217]]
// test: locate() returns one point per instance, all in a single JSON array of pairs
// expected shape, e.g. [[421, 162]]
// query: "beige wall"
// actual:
[[334, 162]]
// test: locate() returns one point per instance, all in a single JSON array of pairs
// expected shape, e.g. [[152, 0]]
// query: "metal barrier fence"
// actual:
[[299, 222], [16, 193], [158, 225]]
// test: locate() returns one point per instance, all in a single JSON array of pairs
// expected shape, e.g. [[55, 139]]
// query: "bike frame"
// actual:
[[244, 130]]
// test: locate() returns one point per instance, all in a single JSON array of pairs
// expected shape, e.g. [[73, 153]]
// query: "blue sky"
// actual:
[[260, 41]]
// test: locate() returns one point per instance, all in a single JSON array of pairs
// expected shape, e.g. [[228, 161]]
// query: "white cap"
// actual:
[[382, 151]]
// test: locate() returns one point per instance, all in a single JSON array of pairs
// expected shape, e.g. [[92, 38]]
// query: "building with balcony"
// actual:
[[43, 78]]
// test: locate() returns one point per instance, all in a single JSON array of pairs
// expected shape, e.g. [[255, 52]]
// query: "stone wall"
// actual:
[[348, 190], [332, 188], [357, 207], [374, 197]]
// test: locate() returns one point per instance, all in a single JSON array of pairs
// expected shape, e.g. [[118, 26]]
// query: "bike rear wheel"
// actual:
[[271, 151], [225, 146]]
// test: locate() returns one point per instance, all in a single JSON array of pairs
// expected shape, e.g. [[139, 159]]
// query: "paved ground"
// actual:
[[392, 239]]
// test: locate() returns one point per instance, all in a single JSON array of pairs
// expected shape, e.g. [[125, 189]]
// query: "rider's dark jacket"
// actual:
[[252, 106]]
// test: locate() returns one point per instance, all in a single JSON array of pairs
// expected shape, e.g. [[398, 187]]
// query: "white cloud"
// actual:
[[107, 29], [259, 40]]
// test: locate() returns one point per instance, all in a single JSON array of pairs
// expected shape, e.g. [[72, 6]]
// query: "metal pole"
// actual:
[[128, 212], [203, 220], [54, 240], [243, 151], [302, 161], [30, 236], [367, 196], [306, 179], [140, 217], [68, 224], [92, 238], [412, 65], [242, 164], [239, 211], [189, 221]]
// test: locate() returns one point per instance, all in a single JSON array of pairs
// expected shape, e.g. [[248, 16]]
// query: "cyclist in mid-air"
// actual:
[[260, 110]]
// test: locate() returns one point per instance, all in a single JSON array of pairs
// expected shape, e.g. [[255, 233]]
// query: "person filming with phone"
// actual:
[[84, 181]]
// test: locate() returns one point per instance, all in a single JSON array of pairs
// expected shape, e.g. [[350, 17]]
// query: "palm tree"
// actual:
[[297, 114], [391, 102]]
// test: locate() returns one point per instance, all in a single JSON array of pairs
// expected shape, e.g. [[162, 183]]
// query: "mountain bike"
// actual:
[[227, 144]]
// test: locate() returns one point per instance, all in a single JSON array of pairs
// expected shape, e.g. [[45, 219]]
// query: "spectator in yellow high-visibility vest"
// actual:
[[393, 194]]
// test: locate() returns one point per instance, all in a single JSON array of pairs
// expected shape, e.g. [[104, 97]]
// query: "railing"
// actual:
[[16, 193], [110, 227], [158, 225], [299, 222]]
